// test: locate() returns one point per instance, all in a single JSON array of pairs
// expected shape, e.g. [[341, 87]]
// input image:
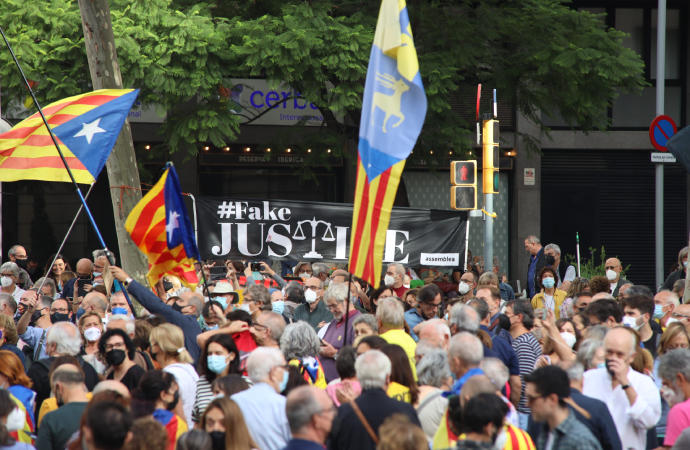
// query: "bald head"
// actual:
[[84, 267], [620, 342], [475, 385], [96, 302], [436, 333], [112, 385]]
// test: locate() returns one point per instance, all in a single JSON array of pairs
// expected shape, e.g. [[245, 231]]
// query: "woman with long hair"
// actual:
[[223, 420], [158, 395], [118, 351], [56, 270], [18, 384], [219, 357], [403, 386], [167, 348]]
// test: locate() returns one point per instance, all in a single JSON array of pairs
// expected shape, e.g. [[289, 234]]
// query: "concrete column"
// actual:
[[526, 202]]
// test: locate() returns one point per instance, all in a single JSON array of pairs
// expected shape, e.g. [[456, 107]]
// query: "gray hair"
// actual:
[[197, 301], [300, 406], [9, 266], [467, 348], [575, 371], [532, 239], [479, 305], [275, 324], [372, 368], [496, 371], [7, 299], [390, 312], [46, 282], [597, 332], [98, 300], [66, 337], [13, 250], [674, 362], [399, 268], [299, 340], [194, 439], [587, 350], [129, 323], [261, 361], [671, 297], [423, 347], [319, 268], [433, 369], [368, 319], [553, 247], [337, 292], [465, 318]]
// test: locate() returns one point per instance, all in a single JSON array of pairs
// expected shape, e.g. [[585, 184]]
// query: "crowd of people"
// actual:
[[313, 358]]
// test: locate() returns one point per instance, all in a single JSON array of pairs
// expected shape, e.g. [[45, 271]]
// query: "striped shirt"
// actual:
[[204, 395], [528, 352]]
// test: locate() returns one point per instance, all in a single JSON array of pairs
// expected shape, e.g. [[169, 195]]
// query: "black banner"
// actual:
[[314, 231]]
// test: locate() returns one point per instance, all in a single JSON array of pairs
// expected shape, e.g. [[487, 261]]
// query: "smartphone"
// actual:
[[80, 287], [256, 267]]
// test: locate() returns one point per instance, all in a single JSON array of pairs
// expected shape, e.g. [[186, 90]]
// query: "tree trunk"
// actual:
[[122, 163]]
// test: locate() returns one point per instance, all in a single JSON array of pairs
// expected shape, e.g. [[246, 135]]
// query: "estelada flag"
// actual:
[[160, 227], [86, 127], [393, 111]]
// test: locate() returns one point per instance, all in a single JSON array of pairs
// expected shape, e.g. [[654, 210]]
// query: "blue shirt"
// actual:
[[532, 272], [413, 318], [457, 386], [264, 413], [303, 444], [32, 337], [503, 350]]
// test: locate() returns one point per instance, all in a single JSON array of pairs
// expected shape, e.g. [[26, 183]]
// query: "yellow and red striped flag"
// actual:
[[86, 127], [160, 227], [393, 111]]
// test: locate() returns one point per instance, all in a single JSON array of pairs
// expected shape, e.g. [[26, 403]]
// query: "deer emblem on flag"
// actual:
[[389, 103]]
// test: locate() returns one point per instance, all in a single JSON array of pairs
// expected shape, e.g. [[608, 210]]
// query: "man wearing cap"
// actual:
[[224, 294]]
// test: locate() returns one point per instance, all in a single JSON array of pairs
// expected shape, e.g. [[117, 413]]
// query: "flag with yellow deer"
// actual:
[[393, 111]]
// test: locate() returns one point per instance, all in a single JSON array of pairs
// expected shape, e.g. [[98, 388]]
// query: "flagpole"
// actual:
[[64, 161]]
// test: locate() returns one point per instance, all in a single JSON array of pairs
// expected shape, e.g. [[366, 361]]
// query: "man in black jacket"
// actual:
[[349, 431], [536, 263]]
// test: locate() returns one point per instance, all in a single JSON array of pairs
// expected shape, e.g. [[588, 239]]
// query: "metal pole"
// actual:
[[659, 167], [467, 242], [488, 233]]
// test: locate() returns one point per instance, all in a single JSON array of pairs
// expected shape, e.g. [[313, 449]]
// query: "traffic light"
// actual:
[[463, 192], [490, 134]]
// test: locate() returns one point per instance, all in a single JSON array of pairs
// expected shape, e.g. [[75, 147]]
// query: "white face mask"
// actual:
[[671, 320], [244, 307], [92, 334], [389, 280], [310, 296], [463, 288], [671, 396], [632, 323], [15, 420], [569, 338], [305, 276], [611, 275], [6, 281]]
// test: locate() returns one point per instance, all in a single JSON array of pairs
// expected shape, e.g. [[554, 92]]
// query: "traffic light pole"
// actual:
[[488, 232]]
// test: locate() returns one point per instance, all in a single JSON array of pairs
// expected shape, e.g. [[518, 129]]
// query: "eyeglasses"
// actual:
[[7, 274], [118, 345], [680, 316], [312, 287], [432, 305], [610, 267], [259, 326]]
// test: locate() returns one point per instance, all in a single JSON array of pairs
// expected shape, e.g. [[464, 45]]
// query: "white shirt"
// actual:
[[186, 378], [632, 421], [17, 294]]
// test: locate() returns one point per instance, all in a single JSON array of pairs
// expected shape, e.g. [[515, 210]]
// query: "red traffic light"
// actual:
[[463, 173]]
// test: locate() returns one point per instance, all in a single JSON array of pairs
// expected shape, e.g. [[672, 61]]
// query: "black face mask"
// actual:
[[170, 406], [218, 439], [85, 277], [167, 285], [550, 260], [115, 357], [59, 317], [177, 307], [22, 262]]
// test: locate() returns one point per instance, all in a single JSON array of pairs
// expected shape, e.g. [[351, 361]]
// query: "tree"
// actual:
[[542, 55]]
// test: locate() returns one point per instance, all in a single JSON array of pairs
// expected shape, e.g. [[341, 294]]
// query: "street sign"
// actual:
[[660, 131], [663, 157]]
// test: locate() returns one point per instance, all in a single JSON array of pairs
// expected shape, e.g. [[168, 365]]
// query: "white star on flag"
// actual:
[[89, 129], [173, 223]]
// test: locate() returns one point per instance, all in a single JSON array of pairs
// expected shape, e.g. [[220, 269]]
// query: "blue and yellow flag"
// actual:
[[393, 111]]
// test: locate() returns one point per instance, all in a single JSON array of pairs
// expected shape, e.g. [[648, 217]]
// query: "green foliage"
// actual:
[[595, 265], [541, 55]]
